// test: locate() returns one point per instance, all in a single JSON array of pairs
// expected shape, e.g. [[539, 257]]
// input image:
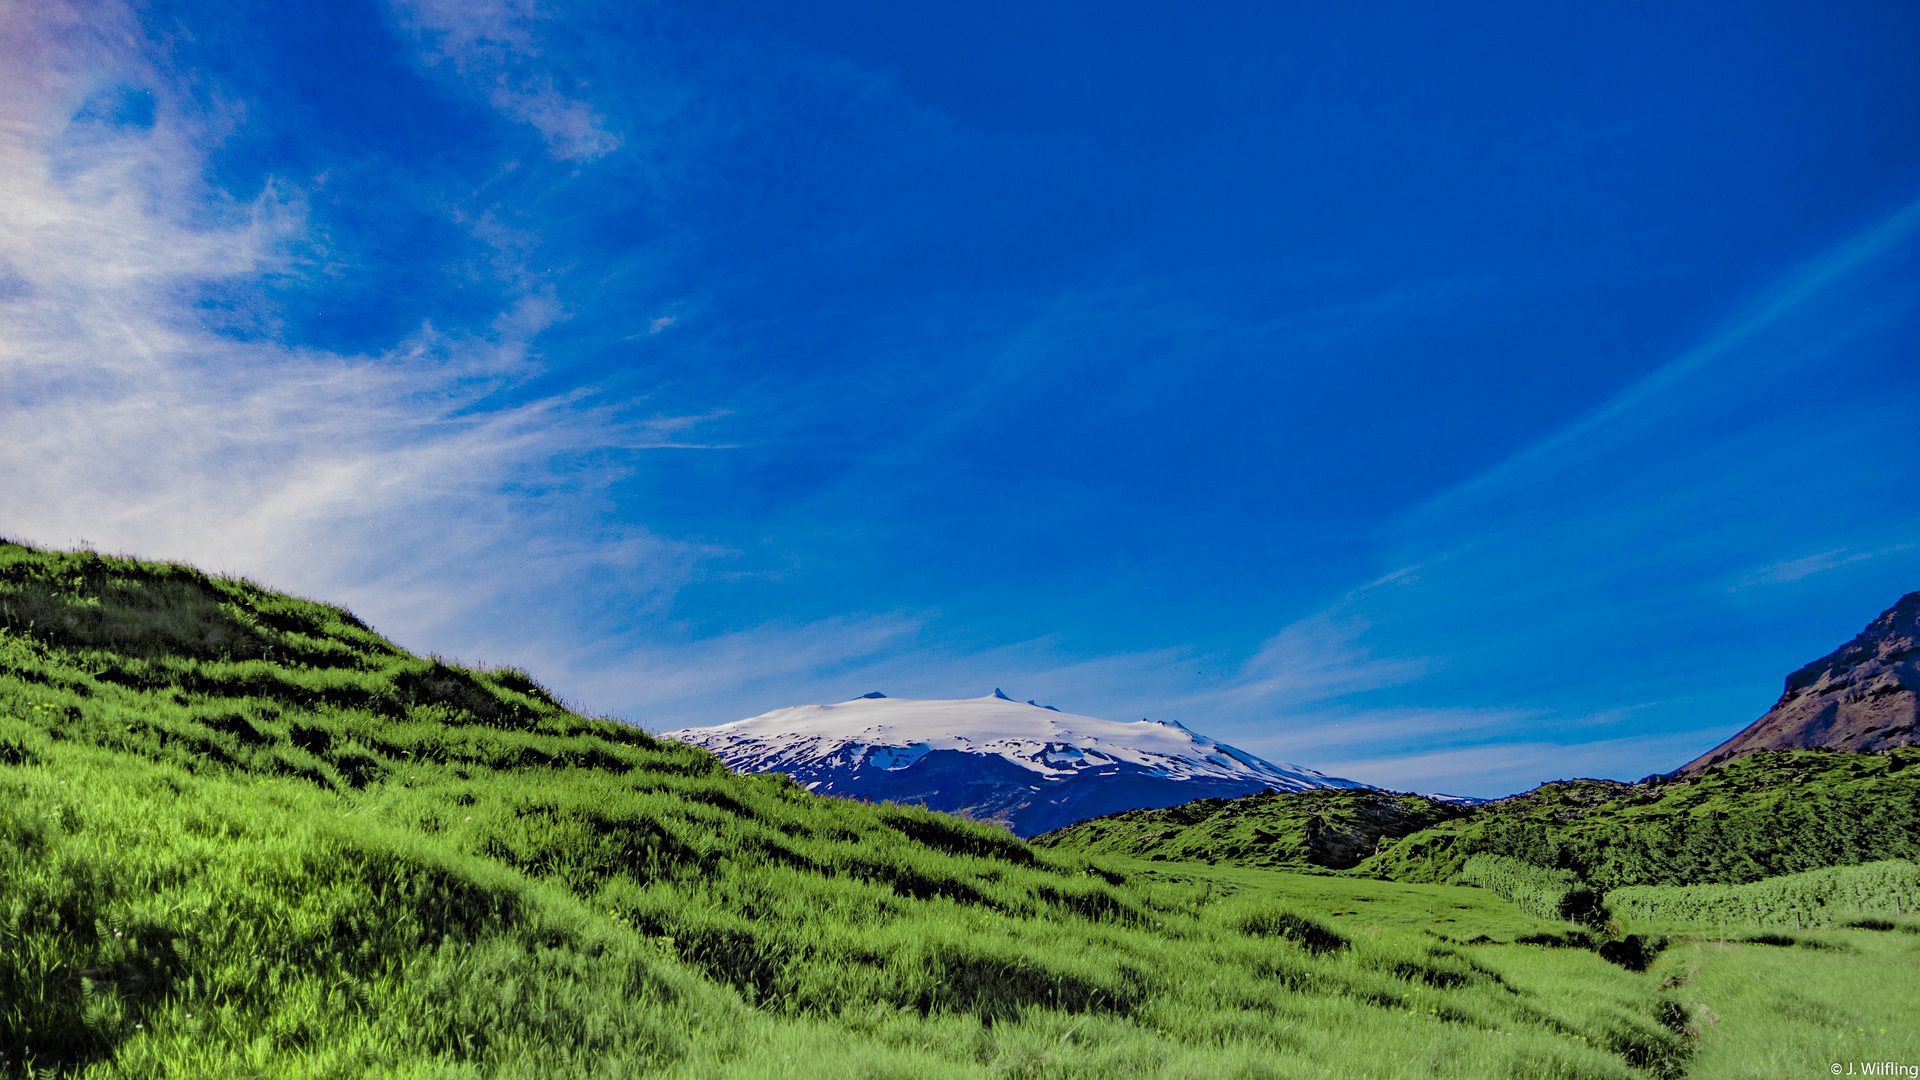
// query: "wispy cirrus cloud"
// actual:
[[137, 422], [495, 46], [1517, 765], [661, 680], [1322, 656], [1555, 617], [1790, 570], [1316, 732]]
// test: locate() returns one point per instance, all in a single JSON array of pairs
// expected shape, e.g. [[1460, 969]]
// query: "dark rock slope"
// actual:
[[1863, 696]]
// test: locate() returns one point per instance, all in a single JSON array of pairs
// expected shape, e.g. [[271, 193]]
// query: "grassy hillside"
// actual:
[[1324, 829], [1745, 1002], [246, 836], [1762, 816], [1783, 971]]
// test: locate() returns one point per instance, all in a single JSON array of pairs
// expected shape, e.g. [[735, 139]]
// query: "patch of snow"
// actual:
[[893, 733], [1457, 800]]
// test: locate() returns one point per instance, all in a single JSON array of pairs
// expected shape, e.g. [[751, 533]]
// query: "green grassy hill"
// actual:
[[1746, 1001], [1806, 952], [1306, 830], [246, 836], [1761, 816]]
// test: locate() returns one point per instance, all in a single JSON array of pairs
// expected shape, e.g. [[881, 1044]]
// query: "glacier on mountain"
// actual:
[[1030, 767]]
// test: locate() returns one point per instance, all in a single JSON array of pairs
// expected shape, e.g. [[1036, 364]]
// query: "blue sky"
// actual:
[[1452, 400]]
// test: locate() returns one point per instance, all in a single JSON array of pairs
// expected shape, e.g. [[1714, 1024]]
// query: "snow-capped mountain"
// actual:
[[1030, 767]]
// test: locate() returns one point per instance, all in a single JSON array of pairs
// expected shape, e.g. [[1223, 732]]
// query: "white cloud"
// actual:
[[1616, 537], [662, 683], [384, 481], [1494, 769], [1342, 731], [1791, 570], [495, 46], [1785, 328], [1317, 658]]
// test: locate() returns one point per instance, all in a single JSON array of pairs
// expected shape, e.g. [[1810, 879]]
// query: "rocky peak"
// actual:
[[1863, 696], [1891, 638]]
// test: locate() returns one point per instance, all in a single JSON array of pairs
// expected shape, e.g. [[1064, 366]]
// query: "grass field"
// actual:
[[1790, 1005], [243, 835], [1751, 1003]]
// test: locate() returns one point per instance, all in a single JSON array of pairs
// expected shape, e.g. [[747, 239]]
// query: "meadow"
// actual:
[[244, 835], [1841, 895]]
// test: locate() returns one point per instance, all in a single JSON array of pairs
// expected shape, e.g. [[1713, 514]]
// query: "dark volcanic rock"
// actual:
[[1863, 696], [1342, 842]]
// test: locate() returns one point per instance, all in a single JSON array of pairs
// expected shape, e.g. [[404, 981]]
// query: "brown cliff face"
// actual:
[[1863, 696]]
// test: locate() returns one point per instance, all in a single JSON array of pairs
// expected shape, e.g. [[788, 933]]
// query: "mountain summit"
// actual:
[[1863, 696], [1029, 767]]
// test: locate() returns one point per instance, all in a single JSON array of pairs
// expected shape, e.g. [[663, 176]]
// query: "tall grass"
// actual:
[[240, 834], [1541, 892], [1815, 898], [1795, 1004]]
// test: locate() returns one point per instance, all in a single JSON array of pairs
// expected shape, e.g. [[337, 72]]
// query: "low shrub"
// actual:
[[1814, 898], [1539, 891], [1633, 952]]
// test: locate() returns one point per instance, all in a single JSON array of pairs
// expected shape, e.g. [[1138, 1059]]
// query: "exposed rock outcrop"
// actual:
[[1863, 696]]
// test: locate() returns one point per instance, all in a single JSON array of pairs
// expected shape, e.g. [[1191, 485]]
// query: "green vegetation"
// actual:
[[1359, 908], [1541, 892], [243, 835], [1761, 816], [1329, 828], [1762, 1008], [1748, 1004], [1814, 898], [246, 836], [1789, 1005], [1808, 841]]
